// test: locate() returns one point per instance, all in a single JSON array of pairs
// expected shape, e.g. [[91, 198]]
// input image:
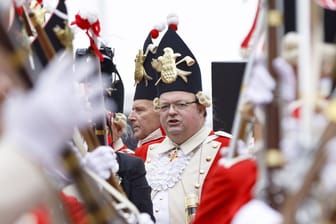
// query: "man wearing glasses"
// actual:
[[178, 167]]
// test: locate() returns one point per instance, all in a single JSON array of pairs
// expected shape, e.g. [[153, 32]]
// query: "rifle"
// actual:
[[43, 38], [241, 122], [271, 134], [100, 128], [20, 72], [294, 199]]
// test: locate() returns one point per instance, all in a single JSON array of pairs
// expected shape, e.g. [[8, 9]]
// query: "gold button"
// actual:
[[197, 185], [201, 171], [214, 145], [148, 161], [208, 159]]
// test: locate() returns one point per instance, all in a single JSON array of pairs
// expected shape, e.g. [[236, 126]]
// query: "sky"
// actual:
[[212, 29]]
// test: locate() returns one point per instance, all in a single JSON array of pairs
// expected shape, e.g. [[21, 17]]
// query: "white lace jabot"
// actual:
[[163, 173]]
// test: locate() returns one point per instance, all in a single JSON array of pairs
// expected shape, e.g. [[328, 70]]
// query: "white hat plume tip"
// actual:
[[160, 27], [172, 19]]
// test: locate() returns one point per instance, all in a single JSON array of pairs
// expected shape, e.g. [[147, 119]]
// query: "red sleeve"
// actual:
[[141, 152], [75, 209], [225, 190], [42, 215]]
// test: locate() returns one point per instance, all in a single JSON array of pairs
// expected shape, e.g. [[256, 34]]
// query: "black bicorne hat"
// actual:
[[176, 65], [112, 82], [114, 87], [144, 74]]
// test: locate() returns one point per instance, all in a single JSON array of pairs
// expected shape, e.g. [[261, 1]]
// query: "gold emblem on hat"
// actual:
[[167, 66], [140, 72], [65, 36]]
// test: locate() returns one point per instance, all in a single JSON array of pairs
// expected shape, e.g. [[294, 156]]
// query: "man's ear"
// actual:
[[120, 131], [201, 108]]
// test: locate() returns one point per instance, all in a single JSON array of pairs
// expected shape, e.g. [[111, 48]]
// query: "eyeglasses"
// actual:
[[176, 106]]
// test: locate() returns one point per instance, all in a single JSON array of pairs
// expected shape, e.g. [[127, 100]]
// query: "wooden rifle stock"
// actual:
[[244, 110], [101, 126], [272, 121], [42, 36], [93, 143], [15, 58], [272, 125], [25, 20], [99, 211], [294, 199]]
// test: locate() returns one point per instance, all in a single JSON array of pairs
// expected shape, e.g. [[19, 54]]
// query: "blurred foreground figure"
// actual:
[[36, 126], [308, 199]]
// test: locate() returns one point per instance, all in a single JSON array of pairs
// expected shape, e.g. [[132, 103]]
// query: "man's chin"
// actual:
[[137, 135], [174, 130]]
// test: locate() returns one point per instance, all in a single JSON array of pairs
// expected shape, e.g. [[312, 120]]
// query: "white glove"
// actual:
[[256, 212], [287, 84], [241, 147], [102, 161], [260, 86], [328, 172], [143, 218], [41, 121]]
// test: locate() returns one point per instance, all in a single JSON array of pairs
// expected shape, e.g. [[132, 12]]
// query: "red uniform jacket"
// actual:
[[141, 151], [225, 190]]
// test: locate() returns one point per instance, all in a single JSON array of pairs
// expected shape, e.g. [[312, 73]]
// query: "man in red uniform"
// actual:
[[178, 167], [144, 119]]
